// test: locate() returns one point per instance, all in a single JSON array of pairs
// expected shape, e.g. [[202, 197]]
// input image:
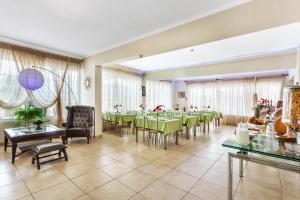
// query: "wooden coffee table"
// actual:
[[25, 139]]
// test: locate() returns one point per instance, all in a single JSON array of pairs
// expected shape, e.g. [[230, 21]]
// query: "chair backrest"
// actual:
[[80, 116]]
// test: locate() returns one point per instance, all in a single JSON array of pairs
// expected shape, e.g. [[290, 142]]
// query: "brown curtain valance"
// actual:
[[38, 52]]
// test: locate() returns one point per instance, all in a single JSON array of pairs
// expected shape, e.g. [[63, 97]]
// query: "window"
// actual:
[[120, 88], [234, 97], [11, 95], [159, 93]]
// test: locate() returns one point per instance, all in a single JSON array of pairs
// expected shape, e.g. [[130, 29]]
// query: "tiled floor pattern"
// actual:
[[116, 168]]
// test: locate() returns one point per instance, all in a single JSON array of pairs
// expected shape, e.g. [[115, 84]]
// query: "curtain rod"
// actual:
[[38, 52], [248, 77]]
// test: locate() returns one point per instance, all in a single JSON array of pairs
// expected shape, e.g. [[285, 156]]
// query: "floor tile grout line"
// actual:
[[201, 178]]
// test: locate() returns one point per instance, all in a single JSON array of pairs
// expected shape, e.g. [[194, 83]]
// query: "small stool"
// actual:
[[46, 148]]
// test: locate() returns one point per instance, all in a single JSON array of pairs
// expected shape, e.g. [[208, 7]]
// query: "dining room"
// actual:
[[150, 100]]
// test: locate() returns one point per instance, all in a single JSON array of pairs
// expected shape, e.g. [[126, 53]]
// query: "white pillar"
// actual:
[[98, 100]]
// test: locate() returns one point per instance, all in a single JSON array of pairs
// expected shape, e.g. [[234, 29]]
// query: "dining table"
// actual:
[[162, 125], [190, 122], [271, 152]]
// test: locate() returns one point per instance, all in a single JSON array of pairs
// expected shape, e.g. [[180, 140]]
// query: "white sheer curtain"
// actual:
[[58, 74], [270, 88], [159, 93], [120, 88], [234, 97]]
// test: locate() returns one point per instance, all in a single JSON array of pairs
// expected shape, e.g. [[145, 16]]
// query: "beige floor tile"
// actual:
[[135, 161], [155, 170], [30, 171], [290, 196], [136, 180], [9, 177], [116, 170], [262, 180], [62, 191], [192, 197], [257, 191], [6, 166], [168, 162], [99, 161], [238, 196], [220, 179], [191, 169], [262, 169], [84, 197], [112, 191], [119, 155], [162, 191], [208, 190], [13, 191], [138, 197], [27, 198], [44, 180], [208, 155], [203, 162], [151, 154], [180, 180], [75, 170], [91, 180]]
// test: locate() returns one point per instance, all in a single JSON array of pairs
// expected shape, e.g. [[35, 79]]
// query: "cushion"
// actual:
[[48, 147], [80, 118]]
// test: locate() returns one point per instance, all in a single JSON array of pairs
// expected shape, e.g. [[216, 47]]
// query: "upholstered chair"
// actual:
[[80, 122]]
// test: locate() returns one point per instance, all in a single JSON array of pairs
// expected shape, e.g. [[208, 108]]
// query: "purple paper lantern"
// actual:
[[31, 79]]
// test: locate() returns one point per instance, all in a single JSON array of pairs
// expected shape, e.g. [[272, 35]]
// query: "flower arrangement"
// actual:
[[176, 107], [262, 107], [142, 107], [158, 108], [206, 107], [193, 108], [117, 107]]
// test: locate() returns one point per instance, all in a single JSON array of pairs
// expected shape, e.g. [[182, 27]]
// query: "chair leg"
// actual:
[[65, 154], [32, 160], [59, 153], [37, 161]]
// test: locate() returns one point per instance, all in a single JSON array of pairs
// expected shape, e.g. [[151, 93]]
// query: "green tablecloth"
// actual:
[[119, 117], [189, 120], [206, 116], [165, 126]]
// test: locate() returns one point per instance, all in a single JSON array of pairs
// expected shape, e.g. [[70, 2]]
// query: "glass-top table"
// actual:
[[25, 136], [268, 150], [262, 145]]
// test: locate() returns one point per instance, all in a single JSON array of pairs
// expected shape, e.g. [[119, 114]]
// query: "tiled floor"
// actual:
[[115, 167]]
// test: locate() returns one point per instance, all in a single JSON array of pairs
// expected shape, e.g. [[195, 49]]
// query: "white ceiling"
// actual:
[[87, 27], [273, 41]]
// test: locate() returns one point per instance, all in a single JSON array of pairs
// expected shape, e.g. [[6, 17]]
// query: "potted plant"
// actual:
[[28, 115]]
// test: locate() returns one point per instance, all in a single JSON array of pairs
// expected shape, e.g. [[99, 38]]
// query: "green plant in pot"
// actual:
[[29, 114]]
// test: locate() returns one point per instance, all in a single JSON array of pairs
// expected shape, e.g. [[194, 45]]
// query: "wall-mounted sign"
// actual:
[[181, 94]]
